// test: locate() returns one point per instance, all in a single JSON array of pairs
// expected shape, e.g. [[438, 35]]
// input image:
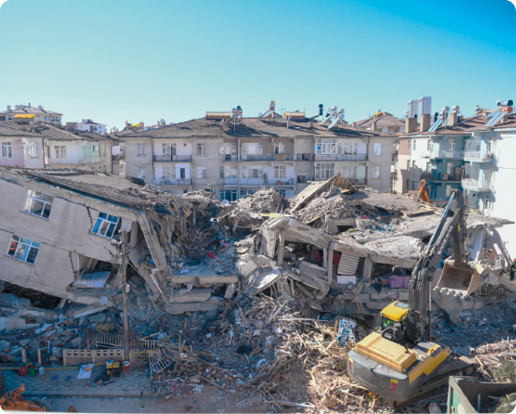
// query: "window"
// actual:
[[324, 170], [303, 157], [201, 149], [408, 185], [430, 145], [348, 171], [47, 118], [60, 151], [376, 172], [38, 204], [230, 195], [281, 192], [169, 172], [105, 225], [451, 145], [428, 167], [325, 146], [104, 150], [279, 172], [33, 149], [408, 164], [413, 165], [252, 172], [378, 149], [413, 145], [23, 249], [229, 151], [56, 118], [450, 168], [491, 146], [168, 149], [488, 203], [301, 179], [201, 172], [95, 148], [141, 173], [279, 148], [490, 174], [7, 151], [252, 148], [141, 150], [348, 148], [228, 172]]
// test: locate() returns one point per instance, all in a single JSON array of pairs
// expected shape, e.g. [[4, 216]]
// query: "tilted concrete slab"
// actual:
[[195, 295], [214, 303]]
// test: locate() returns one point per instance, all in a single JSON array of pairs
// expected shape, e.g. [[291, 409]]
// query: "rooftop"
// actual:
[[386, 119], [252, 127], [22, 109]]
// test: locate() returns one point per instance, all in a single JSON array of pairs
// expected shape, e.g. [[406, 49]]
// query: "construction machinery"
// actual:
[[13, 401], [422, 193], [399, 359]]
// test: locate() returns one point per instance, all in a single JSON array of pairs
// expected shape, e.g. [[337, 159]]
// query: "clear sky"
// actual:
[[118, 60]]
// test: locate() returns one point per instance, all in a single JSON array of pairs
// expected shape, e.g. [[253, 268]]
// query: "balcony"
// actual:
[[447, 154], [252, 181], [256, 157], [436, 176], [476, 185], [69, 161], [172, 158], [284, 157], [340, 157], [231, 181], [281, 182], [173, 181], [480, 156], [228, 157]]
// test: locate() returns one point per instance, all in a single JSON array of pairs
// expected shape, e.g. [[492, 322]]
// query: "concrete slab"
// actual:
[[195, 295], [214, 303]]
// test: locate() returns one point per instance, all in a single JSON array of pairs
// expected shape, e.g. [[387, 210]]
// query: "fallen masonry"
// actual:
[[263, 296]]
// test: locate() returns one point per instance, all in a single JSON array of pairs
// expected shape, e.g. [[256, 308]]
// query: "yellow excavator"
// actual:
[[400, 359]]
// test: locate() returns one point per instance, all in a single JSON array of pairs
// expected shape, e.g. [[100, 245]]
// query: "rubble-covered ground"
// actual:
[[272, 341]]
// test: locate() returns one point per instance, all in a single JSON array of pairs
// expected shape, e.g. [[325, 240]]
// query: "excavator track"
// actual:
[[461, 366]]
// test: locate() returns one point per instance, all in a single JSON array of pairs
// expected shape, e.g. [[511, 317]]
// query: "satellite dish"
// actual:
[[447, 109]]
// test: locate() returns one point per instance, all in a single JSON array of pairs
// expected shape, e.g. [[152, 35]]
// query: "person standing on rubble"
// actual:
[[513, 270]]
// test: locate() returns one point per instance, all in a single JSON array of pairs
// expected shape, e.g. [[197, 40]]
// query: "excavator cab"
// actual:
[[396, 312]]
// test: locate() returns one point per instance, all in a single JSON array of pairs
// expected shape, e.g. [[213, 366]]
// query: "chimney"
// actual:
[[454, 116], [425, 122], [288, 123], [354, 125], [126, 124], [410, 125], [311, 123], [373, 125], [9, 108]]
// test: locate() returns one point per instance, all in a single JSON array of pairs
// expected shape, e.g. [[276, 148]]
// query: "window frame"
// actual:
[[140, 169], [375, 146], [31, 194], [280, 171], [201, 150], [29, 248], [7, 150], [101, 221], [204, 173], [141, 150], [59, 151], [33, 153], [378, 174], [452, 145]]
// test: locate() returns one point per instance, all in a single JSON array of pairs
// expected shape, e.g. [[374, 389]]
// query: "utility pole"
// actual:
[[125, 289]]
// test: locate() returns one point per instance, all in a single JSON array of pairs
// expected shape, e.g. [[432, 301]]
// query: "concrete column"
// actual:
[[330, 266], [24, 355], [134, 234], [281, 248], [368, 270], [40, 360]]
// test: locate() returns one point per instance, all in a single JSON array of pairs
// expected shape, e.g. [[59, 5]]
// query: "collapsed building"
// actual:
[[263, 274]]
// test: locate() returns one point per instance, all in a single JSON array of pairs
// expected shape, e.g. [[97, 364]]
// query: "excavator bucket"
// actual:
[[459, 281]]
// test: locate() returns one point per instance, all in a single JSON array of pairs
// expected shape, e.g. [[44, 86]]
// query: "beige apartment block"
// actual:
[[236, 160]]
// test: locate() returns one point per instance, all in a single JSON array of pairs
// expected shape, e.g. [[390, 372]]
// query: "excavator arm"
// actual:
[[452, 225]]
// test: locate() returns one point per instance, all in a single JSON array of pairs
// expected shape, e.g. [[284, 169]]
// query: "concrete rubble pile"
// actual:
[[264, 295]]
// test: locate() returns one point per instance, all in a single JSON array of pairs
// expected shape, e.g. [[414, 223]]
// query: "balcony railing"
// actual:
[[256, 157], [173, 181], [284, 157], [228, 157], [61, 161], [231, 181], [340, 157], [171, 158], [281, 181], [437, 176], [470, 184], [252, 181], [478, 155]]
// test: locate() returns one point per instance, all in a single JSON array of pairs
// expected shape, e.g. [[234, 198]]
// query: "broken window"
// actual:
[[142, 173], [376, 172], [348, 171], [301, 179], [105, 225], [141, 150], [23, 249], [201, 149], [38, 204], [279, 172], [378, 148], [252, 148], [60, 151], [201, 172], [169, 172], [348, 148], [252, 172], [7, 151], [324, 170], [33, 149], [303, 157]]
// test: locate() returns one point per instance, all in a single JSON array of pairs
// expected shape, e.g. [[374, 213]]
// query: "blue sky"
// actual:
[[118, 60]]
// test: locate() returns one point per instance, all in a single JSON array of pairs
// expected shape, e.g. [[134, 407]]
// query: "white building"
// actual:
[[89, 126]]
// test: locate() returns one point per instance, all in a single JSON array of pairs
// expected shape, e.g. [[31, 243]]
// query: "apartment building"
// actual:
[[239, 159], [88, 125], [382, 122], [24, 142], [37, 114]]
